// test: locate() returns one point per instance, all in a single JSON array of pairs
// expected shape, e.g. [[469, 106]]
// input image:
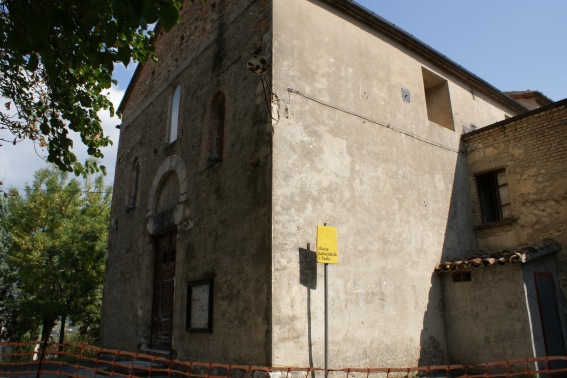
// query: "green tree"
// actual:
[[56, 63], [8, 289], [58, 236]]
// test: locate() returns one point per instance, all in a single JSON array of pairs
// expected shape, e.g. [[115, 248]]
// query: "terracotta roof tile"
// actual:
[[505, 256]]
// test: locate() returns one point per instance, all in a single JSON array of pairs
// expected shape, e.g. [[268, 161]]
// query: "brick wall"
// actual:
[[203, 22], [533, 150]]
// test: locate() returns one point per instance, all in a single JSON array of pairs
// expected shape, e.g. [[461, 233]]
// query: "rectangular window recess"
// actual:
[[437, 99]]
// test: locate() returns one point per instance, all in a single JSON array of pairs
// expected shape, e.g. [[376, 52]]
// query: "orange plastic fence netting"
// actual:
[[27, 360]]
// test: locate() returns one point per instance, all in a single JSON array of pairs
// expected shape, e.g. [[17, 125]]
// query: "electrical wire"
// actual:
[[386, 125]]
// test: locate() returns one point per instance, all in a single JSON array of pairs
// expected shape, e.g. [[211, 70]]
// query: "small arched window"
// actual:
[[134, 183], [216, 130], [174, 115]]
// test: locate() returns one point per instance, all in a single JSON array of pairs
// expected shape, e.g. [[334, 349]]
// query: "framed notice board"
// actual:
[[199, 314]]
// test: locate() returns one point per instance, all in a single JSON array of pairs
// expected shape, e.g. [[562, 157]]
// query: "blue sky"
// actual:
[[512, 44]]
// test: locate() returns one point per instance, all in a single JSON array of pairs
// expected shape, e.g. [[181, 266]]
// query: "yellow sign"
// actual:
[[327, 246]]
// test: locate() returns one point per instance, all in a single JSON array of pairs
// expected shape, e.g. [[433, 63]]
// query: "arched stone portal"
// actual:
[[167, 195], [165, 211]]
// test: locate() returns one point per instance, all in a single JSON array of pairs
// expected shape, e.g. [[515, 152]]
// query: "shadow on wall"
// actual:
[[308, 278], [433, 346], [459, 241]]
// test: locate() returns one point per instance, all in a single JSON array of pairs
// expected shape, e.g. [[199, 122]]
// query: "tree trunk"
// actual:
[[62, 332], [47, 327]]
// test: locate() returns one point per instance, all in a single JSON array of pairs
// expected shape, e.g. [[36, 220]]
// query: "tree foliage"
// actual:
[[56, 64], [58, 236], [8, 288]]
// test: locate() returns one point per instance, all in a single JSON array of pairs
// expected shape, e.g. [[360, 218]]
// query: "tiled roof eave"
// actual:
[[522, 254]]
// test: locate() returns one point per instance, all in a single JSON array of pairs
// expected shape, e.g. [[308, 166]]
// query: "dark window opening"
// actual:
[[493, 196], [462, 276]]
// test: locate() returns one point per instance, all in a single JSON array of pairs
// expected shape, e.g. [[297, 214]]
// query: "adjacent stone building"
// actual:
[[518, 183], [530, 99], [530, 150], [263, 119]]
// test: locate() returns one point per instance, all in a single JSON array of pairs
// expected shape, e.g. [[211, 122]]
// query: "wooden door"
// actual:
[[164, 285], [550, 321]]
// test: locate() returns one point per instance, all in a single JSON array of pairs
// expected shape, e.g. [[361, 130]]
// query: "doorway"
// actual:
[[550, 320], [164, 287]]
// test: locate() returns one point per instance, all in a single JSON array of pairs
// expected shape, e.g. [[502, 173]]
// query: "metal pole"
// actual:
[[326, 320]]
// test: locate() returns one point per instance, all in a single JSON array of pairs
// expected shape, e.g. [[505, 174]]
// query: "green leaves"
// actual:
[[54, 243], [57, 59], [168, 14]]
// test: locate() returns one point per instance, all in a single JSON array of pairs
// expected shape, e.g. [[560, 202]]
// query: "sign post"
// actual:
[[327, 253]]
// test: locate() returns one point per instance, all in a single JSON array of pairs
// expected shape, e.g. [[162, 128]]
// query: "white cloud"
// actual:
[[19, 162]]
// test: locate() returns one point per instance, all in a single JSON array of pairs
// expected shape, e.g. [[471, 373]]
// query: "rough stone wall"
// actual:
[[176, 49], [350, 151], [533, 150], [222, 213]]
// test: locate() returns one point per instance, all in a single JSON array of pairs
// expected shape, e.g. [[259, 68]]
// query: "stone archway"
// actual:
[[161, 218]]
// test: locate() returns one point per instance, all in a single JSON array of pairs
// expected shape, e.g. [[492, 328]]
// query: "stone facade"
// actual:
[[362, 131], [221, 213]]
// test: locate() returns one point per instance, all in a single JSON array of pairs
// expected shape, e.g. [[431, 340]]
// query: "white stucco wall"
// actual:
[[350, 152]]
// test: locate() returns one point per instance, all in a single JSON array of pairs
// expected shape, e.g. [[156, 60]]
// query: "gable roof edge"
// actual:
[[128, 91], [398, 34], [134, 78], [424, 49]]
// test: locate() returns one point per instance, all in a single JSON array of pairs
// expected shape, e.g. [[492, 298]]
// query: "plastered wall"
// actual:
[[488, 318], [350, 152]]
